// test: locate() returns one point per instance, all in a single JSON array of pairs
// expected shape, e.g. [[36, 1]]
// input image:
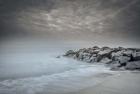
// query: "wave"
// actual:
[[66, 81]]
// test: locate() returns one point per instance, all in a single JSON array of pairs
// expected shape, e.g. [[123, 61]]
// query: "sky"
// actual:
[[100, 21]]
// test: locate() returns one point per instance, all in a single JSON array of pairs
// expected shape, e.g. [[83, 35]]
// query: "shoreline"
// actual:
[[126, 82]]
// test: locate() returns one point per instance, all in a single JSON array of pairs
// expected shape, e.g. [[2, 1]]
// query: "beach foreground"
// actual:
[[30, 69], [123, 83]]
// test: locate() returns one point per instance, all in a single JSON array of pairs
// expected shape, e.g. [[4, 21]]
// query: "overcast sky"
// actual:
[[96, 20]]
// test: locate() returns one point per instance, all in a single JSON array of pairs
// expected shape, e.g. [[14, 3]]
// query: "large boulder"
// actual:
[[93, 59], [128, 53], [96, 51], [122, 59], [80, 56], [136, 56], [133, 65], [86, 57], [104, 54], [106, 60], [117, 54]]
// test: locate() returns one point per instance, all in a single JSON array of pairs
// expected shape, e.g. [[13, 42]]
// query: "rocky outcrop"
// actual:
[[116, 58]]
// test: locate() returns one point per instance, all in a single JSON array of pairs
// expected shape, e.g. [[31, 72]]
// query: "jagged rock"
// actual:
[[117, 54], [75, 56], [69, 53], [96, 51], [128, 53], [99, 58], [136, 56], [86, 57], [105, 48], [133, 65], [84, 50], [93, 59], [117, 58], [80, 56], [95, 47], [106, 60], [121, 48], [104, 54], [122, 59]]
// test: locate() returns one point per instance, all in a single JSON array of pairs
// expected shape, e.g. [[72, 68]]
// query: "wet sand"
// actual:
[[122, 83]]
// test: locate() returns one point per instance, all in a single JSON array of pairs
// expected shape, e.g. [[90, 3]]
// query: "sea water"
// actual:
[[30, 68]]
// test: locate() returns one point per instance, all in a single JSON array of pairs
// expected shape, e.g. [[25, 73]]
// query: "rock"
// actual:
[[99, 58], [75, 56], [117, 58], [115, 65], [114, 68], [80, 56], [83, 50], [94, 55], [106, 60], [117, 54], [136, 56], [122, 68], [90, 50], [95, 47], [120, 48], [96, 51], [69, 53], [104, 54], [93, 59], [58, 57], [105, 48], [122, 59], [133, 65], [128, 53], [86, 57]]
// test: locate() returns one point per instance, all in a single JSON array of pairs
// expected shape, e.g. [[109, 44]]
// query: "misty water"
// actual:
[[32, 67]]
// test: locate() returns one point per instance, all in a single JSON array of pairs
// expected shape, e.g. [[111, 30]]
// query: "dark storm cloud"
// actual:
[[112, 17], [15, 5], [9, 10]]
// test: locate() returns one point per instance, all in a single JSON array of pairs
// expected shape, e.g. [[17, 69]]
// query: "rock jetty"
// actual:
[[117, 58]]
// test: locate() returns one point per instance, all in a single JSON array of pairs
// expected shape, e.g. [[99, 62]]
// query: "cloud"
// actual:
[[71, 17]]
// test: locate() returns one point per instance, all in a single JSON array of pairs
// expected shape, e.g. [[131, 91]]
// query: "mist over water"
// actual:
[[32, 67]]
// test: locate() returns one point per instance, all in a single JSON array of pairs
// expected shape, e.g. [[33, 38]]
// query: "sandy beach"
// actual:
[[122, 83]]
